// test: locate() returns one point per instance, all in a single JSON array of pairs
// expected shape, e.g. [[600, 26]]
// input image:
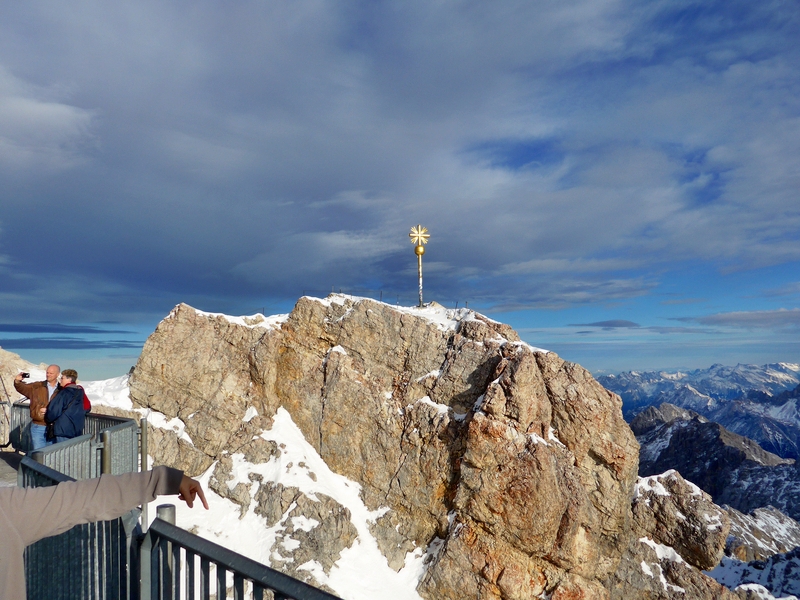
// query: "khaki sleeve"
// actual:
[[41, 512]]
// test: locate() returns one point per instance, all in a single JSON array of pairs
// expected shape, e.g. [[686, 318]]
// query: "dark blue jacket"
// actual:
[[66, 412]]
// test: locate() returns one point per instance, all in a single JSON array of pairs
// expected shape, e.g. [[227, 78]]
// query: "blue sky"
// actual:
[[617, 180]]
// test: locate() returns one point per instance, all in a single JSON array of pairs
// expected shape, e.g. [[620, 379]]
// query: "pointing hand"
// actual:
[[189, 489]]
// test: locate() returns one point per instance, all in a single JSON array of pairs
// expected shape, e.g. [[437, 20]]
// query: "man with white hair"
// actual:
[[39, 393]]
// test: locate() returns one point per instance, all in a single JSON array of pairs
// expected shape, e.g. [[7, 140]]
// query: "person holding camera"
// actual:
[[65, 413], [39, 393]]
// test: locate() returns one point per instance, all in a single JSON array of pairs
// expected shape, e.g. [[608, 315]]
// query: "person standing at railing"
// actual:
[[66, 413], [39, 393], [30, 514]]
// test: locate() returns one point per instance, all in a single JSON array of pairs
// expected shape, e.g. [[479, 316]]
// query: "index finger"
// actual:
[[202, 496]]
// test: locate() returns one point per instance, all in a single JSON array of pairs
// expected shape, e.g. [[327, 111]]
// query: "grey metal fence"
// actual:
[[120, 444], [20, 422], [76, 458], [20, 432], [95, 423], [112, 559], [109, 445], [95, 560], [183, 565], [88, 562]]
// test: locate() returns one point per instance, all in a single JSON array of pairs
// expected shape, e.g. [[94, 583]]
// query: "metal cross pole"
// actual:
[[420, 250], [419, 236]]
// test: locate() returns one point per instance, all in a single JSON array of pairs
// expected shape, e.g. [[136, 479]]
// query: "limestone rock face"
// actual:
[[513, 467], [673, 512], [677, 531]]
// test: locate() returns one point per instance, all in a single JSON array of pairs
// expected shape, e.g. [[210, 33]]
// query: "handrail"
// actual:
[[74, 457], [97, 422], [20, 421], [34, 474], [164, 574]]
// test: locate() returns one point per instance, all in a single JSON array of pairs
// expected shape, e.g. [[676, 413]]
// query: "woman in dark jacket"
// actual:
[[66, 414]]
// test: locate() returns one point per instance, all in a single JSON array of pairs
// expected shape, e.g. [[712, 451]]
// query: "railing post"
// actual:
[[38, 456], [143, 464], [145, 567], [166, 512], [105, 461]]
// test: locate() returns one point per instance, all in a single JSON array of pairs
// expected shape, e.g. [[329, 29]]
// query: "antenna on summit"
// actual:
[[419, 236]]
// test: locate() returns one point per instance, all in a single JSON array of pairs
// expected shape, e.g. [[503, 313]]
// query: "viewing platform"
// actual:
[[119, 558]]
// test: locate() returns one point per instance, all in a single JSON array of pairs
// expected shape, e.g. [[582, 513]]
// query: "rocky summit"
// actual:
[[510, 471]]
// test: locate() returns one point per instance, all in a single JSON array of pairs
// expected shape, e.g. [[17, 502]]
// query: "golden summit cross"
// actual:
[[419, 236]]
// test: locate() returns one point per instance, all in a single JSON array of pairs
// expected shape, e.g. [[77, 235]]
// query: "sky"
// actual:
[[617, 180]]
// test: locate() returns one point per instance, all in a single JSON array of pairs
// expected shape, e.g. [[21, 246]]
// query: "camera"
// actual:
[[25, 375]]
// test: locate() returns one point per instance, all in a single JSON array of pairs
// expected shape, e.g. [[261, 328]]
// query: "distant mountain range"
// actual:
[[699, 423], [732, 468], [743, 478], [758, 402]]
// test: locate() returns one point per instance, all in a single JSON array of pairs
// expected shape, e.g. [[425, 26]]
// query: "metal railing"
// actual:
[[20, 433], [90, 561], [20, 421], [109, 445], [76, 458], [112, 559], [183, 565]]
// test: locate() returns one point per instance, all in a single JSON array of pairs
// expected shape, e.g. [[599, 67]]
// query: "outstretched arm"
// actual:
[[36, 513]]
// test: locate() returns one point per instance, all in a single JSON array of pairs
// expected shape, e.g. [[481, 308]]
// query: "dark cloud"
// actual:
[[684, 330], [59, 343], [55, 328], [613, 324], [519, 154]]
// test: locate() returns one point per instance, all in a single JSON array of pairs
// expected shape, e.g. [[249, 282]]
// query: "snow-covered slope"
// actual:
[[780, 574], [361, 573], [761, 534]]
